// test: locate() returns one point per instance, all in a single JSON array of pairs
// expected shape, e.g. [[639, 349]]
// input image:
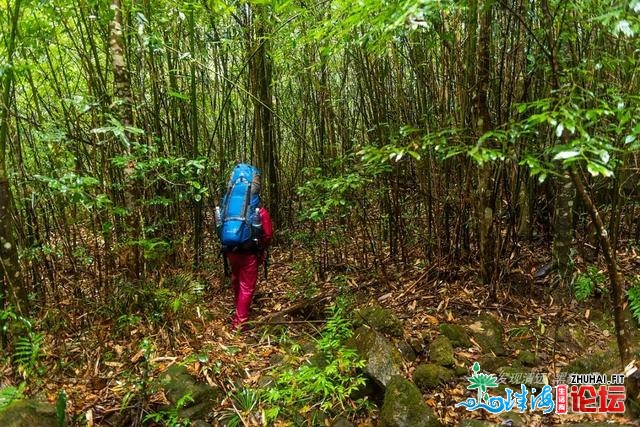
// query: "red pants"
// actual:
[[244, 276]]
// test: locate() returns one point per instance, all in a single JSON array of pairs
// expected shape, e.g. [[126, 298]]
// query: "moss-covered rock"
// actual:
[[517, 419], [441, 352], [573, 336], [488, 332], [341, 422], [417, 344], [476, 423], [266, 381], [527, 358], [380, 319], [28, 413], [178, 383], [429, 376], [596, 315], [491, 363], [595, 362], [516, 375], [594, 424], [382, 360], [456, 334], [319, 360], [404, 407], [460, 370]]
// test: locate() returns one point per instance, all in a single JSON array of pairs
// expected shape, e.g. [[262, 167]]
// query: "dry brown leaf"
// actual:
[[431, 319], [457, 392], [476, 327], [89, 417], [474, 342], [137, 356], [385, 296], [114, 364]]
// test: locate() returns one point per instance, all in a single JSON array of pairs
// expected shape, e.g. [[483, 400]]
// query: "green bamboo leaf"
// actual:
[[567, 154], [178, 95]]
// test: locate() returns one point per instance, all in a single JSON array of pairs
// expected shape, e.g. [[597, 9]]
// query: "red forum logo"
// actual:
[[585, 398]]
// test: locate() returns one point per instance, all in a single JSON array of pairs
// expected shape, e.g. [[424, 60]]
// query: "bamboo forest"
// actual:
[[396, 213]]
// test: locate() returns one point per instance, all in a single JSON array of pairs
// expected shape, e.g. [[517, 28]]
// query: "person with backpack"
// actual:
[[246, 231]]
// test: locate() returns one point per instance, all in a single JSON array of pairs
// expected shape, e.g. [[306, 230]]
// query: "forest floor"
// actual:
[[101, 379]]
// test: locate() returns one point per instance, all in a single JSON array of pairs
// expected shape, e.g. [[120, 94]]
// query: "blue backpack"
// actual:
[[239, 216]]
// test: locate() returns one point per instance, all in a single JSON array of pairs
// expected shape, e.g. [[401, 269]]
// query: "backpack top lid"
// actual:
[[244, 177], [249, 173]]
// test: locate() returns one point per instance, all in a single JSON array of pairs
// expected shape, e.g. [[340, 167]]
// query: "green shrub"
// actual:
[[243, 403], [326, 383], [586, 283], [633, 295]]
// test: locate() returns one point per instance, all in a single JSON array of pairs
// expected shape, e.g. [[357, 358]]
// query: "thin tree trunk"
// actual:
[[131, 255], [260, 70], [482, 125], [12, 287], [197, 204], [616, 278], [562, 229]]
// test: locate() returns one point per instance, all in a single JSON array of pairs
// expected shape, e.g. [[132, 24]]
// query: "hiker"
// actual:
[[245, 231], [244, 271]]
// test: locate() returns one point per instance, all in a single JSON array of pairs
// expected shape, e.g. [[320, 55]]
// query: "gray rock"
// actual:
[[407, 351], [404, 406], [382, 359]]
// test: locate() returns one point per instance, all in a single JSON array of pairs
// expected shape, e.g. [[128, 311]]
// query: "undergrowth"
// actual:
[[587, 282], [310, 387], [633, 295]]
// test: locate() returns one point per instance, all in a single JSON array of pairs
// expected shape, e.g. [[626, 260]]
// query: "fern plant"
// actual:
[[10, 394], [586, 283], [171, 417], [325, 384], [633, 295], [27, 353], [243, 403]]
